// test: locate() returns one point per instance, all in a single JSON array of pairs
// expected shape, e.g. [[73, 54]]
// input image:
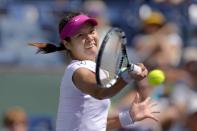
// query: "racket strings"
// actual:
[[111, 57]]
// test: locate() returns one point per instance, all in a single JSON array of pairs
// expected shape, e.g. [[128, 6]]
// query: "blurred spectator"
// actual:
[[15, 119], [159, 44], [187, 87], [183, 94]]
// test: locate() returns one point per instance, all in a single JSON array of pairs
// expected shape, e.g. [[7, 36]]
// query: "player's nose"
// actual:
[[89, 37]]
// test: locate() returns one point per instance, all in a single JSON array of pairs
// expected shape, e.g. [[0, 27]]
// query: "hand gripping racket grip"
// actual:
[[135, 68], [132, 68]]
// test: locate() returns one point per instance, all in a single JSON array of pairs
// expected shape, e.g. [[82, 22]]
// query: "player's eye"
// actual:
[[80, 35], [92, 31]]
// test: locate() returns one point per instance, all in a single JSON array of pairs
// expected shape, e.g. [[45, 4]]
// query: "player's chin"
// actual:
[[92, 50], [91, 55]]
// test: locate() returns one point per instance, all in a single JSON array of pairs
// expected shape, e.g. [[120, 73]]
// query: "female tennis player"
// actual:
[[83, 106]]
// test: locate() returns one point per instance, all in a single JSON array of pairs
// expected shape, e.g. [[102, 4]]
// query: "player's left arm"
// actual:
[[137, 111]]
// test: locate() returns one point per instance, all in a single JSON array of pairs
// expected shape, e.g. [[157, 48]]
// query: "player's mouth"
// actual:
[[90, 46]]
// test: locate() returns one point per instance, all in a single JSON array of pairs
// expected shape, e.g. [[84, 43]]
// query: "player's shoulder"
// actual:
[[75, 64]]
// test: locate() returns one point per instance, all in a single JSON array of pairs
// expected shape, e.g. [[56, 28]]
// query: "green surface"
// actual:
[[36, 93]]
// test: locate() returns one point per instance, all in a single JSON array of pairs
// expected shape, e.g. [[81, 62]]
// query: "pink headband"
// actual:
[[71, 28]]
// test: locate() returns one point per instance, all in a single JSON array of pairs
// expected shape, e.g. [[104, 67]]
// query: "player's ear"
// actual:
[[66, 44]]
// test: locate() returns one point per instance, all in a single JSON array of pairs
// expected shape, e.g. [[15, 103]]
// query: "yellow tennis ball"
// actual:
[[156, 77]]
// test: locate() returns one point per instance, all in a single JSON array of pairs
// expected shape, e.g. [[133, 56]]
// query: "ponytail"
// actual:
[[45, 48]]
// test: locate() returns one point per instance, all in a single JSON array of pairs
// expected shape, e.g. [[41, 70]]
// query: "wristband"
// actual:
[[125, 119]]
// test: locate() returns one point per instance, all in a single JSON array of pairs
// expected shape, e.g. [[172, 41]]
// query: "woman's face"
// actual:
[[20, 126], [84, 45]]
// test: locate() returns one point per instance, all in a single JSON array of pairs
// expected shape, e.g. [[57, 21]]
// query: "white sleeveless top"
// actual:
[[78, 111]]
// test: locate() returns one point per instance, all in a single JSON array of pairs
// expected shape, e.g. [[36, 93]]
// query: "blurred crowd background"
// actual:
[[161, 33]]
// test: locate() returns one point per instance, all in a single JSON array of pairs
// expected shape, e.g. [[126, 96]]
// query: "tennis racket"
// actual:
[[112, 58]]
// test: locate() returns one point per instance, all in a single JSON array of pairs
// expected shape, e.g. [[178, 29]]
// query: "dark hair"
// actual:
[[48, 47]]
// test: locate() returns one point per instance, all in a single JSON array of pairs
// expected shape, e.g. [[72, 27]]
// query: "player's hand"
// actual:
[[141, 75], [144, 109]]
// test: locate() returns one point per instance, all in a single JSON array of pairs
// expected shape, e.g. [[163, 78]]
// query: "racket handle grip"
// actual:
[[135, 68]]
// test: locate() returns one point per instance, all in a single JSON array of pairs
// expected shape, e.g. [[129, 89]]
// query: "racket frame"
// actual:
[[129, 66]]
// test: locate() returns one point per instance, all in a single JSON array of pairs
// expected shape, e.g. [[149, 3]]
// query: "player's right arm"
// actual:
[[85, 81]]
